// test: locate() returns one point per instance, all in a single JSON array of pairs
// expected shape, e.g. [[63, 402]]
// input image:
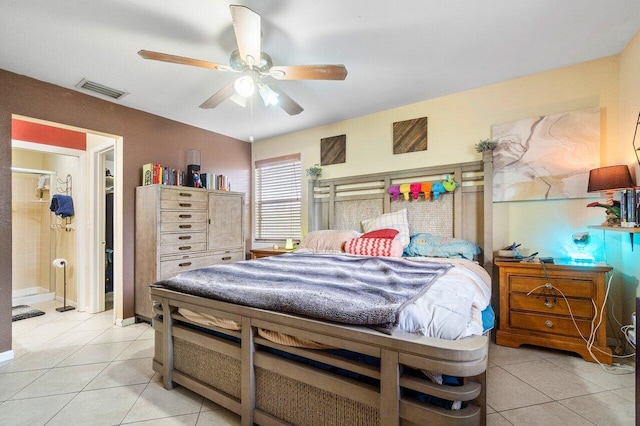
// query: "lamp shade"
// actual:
[[610, 178]]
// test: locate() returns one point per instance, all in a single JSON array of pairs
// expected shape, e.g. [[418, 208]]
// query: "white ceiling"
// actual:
[[396, 52]]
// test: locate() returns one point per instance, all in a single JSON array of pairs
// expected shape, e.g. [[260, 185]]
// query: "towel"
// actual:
[[62, 205]]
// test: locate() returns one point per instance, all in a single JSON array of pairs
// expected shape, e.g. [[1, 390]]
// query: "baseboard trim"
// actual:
[[125, 322], [6, 356]]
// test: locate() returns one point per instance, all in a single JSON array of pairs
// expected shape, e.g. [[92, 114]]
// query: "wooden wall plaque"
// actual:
[[333, 150], [410, 135]]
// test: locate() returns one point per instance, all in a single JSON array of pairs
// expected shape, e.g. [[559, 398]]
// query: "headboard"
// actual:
[[342, 203]]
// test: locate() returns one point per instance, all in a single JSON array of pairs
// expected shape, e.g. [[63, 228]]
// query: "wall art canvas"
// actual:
[[546, 157], [333, 150], [410, 135]]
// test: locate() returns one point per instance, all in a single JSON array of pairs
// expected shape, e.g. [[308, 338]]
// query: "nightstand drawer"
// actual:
[[570, 287], [550, 324], [546, 304]]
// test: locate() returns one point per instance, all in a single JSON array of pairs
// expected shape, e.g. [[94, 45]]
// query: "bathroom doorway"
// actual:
[[38, 235], [95, 264]]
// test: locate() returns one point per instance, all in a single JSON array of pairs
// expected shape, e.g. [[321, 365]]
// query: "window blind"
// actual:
[[278, 200]]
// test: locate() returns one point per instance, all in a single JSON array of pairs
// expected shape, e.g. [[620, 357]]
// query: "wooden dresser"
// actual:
[[180, 228], [533, 311]]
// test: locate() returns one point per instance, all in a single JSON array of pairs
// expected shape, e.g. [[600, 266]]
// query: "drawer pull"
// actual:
[[185, 216], [184, 226], [185, 264], [548, 323], [185, 194], [226, 258], [548, 304], [184, 237], [185, 204], [184, 248]]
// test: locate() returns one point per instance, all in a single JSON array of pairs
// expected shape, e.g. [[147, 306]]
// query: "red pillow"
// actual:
[[387, 234]]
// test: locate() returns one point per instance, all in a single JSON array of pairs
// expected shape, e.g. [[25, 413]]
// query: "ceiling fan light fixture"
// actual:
[[269, 97], [240, 100], [244, 86]]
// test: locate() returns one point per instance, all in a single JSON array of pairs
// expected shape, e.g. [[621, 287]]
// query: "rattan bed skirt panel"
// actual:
[[305, 405], [210, 367]]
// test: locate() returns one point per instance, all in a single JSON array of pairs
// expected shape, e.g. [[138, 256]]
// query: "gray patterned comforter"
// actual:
[[370, 291]]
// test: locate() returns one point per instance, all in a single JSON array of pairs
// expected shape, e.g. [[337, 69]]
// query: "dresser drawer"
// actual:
[[167, 217], [549, 324], [183, 227], [183, 238], [172, 267], [185, 205], [183, 195], [228, 256], [550, 305], [187, 247], [570, 287]]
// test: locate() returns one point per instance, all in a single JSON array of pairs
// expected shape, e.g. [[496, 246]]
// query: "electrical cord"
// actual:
[[594, 328]]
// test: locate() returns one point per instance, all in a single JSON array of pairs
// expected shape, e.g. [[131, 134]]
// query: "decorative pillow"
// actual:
[[327, 240], [387, 233], [435, 246], [374, 247], [396, 220]]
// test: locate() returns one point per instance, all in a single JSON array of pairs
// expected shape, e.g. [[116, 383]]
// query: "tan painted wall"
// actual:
[[459, 121]]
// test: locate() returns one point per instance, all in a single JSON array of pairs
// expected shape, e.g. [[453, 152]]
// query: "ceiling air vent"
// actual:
[[101, 89]]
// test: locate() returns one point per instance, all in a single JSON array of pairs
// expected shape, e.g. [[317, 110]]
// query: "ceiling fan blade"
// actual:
[[157, 56], [285, 102], [309, 72], [225, 93], [246, 25]]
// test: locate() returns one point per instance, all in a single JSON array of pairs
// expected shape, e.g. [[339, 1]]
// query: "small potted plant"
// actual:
[[486, 145], [314, 172]]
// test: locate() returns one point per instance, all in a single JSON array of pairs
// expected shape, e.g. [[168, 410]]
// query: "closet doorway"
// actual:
[[102, 263]]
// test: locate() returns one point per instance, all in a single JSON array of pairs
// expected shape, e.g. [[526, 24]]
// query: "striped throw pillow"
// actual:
[[374, 247]]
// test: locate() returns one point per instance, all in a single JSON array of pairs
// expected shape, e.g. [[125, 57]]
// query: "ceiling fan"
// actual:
[[255, 67]]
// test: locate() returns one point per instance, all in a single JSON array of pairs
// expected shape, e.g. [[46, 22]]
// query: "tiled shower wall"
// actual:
[[31, 234]]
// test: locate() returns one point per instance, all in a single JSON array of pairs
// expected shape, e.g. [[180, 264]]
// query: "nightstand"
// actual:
[[266, 252], [533, 310]]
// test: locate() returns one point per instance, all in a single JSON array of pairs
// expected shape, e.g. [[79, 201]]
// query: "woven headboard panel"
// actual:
[[342, 203]]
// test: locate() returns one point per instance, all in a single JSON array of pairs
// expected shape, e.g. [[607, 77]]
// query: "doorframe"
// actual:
[[97, 224]]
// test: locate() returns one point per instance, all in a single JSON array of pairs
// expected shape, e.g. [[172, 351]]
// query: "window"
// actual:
[[278, 205]]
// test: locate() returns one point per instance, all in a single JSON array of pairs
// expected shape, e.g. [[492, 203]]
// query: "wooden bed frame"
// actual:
[[240, 371]]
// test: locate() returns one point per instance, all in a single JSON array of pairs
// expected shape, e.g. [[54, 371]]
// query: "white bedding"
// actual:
[[452, 308]]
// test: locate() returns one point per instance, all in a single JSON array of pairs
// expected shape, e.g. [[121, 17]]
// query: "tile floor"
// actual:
[[75, 368]]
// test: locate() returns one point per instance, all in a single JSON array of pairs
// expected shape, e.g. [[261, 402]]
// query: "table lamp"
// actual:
[[288, 245], [609, 179]]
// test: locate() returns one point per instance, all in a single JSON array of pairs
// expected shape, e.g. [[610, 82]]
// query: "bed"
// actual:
[[357, 374]]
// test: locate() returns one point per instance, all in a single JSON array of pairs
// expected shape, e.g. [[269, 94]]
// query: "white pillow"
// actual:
[[329, 240], [396, 220]]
